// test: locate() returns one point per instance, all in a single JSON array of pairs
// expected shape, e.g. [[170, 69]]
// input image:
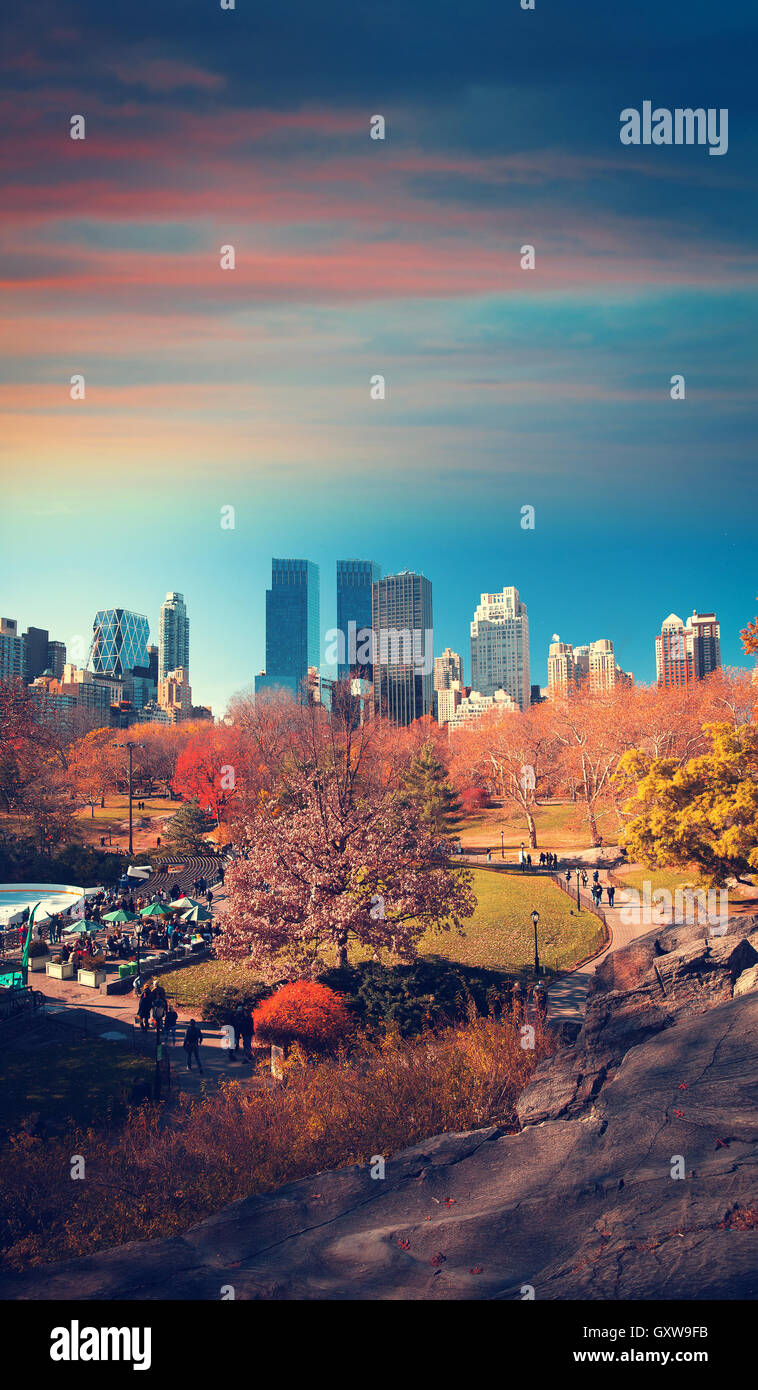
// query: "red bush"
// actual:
[[473, 799], [303, 1012]]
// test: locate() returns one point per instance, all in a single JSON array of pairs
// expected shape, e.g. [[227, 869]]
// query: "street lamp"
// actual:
[[502, 846], [131, 747], [578, 898], [535, 920]]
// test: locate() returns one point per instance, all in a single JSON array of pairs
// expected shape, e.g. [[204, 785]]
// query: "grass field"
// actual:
[[658, 878], [499, 936], [559, 826], [64, 1081]]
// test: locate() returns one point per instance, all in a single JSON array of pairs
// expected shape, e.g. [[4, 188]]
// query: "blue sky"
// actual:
[[505, 387]]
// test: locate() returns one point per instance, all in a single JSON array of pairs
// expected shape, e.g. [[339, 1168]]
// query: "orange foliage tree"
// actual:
[[304, 1012]]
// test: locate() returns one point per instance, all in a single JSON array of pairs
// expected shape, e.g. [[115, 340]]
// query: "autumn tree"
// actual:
[[333, 856], [704, 812], [208, 768], [506, 751], [592, 731]]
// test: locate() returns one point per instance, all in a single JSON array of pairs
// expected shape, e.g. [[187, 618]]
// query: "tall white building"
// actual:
[[475, 706], [500, 647], [173, 636]]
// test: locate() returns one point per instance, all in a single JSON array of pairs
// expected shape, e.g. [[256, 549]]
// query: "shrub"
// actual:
[[220, 1001], [425, 994], [304, 1012], [37, 948], [161, 1179], [473, 799]]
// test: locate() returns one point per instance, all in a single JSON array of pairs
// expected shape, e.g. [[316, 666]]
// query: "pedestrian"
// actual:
[[489, 856], [596, 877], [542, 859], [528, 861], [611, 894], [144, 1007], [209, 897], [192, 1040], [568, 877], [172, 1018], [584, 878], [221, 874]]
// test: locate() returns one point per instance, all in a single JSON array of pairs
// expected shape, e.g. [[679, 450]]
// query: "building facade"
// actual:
[[403, 647], [476, 705], [355, 581], [119, 642], [175, 695], [12, 651], [686, 652], [592, 668], [500, 646], [447, 700], [173, 636], [293, 627]]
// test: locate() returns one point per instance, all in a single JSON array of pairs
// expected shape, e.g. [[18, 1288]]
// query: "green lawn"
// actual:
[[658, 878], [499, 936], [76, 1081], [560, 826]]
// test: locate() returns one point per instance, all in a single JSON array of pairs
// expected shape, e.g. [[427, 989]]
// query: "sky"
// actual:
[[250, 388]]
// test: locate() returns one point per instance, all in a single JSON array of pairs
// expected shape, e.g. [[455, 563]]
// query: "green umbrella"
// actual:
[[155, 910], [198, 913], [119, 916], [82, 928]]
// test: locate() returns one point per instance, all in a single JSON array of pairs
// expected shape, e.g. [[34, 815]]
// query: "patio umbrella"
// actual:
[[155, 910], [119, 916], [198, 913], [82, 929], [183, 904]]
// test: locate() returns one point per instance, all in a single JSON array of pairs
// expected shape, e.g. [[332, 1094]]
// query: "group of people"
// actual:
[[597, 887]]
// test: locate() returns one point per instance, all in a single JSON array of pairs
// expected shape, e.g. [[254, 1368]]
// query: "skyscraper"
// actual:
[[293, 627], [119, 642], [354, 583], [447, 668], [36, 641], [403, 647], [56, 658], [592, 667], [173, 635], [686, 652], [12, 651], [500, 646]]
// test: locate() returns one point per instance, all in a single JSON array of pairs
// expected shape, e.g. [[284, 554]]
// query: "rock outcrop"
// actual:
[[635, 1174]]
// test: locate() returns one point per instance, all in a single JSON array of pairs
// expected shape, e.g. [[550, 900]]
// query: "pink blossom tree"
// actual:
[[335, 859]]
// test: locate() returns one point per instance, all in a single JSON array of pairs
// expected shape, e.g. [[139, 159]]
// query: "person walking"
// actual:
[[192, 1040], [584, 878], [144, 1007], [172, 1018], [611, 894], [596, 876]]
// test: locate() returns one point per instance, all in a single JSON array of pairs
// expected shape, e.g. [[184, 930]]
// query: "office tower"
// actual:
[[90, 692], [706, 643], [447, 668], [173, 635], [119, 642], [354, 583], [293, 631], [602, 666], [686, 652], [56, 658], [36, 642], [560, 669], [447, 700], [500, 646], [674, 656], [175, 694], [12, 651], [403, 647]]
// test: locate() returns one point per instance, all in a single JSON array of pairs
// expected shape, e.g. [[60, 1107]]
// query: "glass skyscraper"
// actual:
[[355, 579], [403, 647], [293, 626], [173, 636], [119, 642]]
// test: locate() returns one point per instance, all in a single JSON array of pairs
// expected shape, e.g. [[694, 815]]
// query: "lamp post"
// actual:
[[131, 747], [578, 898], [502, 846], [535, 920]]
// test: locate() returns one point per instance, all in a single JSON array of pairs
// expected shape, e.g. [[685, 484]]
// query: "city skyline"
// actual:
[[644, 641]]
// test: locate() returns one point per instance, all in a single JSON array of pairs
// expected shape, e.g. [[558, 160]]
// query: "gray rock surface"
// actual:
[[583, 1203]]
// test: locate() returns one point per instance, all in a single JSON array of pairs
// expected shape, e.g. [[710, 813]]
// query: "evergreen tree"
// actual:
[[426, 787], [186, 830]]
